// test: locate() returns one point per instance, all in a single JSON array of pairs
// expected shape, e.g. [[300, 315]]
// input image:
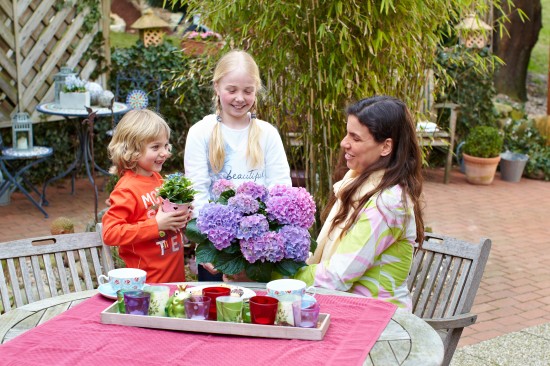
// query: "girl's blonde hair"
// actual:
[[254, 154], [134, 131]]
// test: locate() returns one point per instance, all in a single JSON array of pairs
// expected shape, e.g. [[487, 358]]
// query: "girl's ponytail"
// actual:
[[254, 152], [216, 149]]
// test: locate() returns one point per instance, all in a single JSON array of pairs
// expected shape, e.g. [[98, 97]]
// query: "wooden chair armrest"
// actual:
[[456, 321]]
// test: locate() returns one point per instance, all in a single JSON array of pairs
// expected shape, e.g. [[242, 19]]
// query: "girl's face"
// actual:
[[360, 147], [154, 155], [237, 93]]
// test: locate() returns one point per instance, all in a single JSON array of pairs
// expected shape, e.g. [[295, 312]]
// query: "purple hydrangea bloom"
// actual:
[[257, 191], [252, 226], [220, 186], [267, 247], [244, 203], [297, 242], [291, 206], [219, 223]]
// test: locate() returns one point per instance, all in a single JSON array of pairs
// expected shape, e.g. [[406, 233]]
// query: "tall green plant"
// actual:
[[318, 56]]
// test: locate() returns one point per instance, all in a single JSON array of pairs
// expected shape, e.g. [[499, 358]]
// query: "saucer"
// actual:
[[107, 290]]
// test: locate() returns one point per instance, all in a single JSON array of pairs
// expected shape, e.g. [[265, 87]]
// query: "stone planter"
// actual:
[[198, 48], [74, 100], [480, 170]]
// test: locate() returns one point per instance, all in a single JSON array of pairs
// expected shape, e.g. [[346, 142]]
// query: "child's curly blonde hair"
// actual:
[[134, 131]]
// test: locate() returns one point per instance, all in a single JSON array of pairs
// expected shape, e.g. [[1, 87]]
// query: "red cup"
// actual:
[[263, 309], [213, 293]]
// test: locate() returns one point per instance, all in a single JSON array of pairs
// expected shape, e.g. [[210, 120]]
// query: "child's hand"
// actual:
[[173, 220]]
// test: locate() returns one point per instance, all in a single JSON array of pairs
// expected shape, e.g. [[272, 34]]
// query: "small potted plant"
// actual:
[[177, 192], [74, 94], [482, 154]]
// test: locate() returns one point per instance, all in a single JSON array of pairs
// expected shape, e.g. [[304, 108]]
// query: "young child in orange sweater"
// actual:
[[148, 238]]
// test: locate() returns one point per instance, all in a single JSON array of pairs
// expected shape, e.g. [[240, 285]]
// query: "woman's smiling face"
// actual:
[[360, 147]]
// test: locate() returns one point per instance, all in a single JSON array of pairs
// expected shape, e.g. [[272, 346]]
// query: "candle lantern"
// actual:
[[473, 32], [22, 131], [151, 28], [59, 80]]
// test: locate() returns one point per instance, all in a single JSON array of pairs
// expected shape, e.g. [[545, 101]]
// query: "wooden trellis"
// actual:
[[35, 41]]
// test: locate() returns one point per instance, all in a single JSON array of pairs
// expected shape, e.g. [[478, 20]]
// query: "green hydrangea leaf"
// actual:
[[260, 272], [229, 263], [206, 253], [288, 267], [193, 233]]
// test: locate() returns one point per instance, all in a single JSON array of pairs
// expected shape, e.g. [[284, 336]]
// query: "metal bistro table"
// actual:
[[83, 153], [406, 340]]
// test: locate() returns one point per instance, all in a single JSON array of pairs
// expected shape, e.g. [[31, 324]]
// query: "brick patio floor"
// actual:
[[514, 292]]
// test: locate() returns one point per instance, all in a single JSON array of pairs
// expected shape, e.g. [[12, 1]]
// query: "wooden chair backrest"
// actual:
[[444, 280], [38, 268]]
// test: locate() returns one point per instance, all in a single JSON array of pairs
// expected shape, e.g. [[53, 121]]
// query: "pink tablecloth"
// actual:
[[77, 337]]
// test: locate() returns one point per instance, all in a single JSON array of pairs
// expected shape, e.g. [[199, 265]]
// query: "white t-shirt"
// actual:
[[275, 169]]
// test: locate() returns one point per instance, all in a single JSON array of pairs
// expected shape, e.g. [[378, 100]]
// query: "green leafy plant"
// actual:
[[484, 142], [176, 188]]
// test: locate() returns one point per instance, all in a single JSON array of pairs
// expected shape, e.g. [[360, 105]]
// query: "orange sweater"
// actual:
[[130, 224]]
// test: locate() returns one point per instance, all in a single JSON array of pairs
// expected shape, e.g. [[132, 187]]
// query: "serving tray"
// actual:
[[111, 316]]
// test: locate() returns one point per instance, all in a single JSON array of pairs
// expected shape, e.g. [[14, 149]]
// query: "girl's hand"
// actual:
[[210, 268], [174, 220]]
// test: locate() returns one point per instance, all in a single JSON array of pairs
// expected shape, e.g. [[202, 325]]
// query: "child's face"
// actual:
[[154, 155], [237, 92]]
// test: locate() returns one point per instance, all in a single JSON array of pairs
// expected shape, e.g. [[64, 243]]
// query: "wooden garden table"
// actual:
[[406, 340]]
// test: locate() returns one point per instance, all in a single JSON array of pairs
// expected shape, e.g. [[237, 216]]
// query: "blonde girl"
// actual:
[[233, 143], [148, 238]]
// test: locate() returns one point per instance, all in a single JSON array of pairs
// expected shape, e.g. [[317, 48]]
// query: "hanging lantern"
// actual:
[[22, 131], [59, 80], [151, 28], [473, 32]]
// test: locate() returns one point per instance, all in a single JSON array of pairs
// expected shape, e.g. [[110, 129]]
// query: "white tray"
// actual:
[[111, 316]]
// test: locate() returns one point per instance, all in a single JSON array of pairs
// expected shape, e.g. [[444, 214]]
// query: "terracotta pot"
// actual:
[[168, 206], [197, 48], [480, 170]]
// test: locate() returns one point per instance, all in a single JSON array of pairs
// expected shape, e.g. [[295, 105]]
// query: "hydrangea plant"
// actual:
[[254, 229]]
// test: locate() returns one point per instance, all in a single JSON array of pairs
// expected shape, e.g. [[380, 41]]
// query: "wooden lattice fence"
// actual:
[[36, 39]]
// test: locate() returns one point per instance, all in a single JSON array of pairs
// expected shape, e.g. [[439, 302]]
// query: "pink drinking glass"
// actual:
[[213, 293], [263, 309]]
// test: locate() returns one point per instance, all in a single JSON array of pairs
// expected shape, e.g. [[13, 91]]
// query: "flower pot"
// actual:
[[512, 165], [197, 48], [74, 100], [168, 206], [480, 170]]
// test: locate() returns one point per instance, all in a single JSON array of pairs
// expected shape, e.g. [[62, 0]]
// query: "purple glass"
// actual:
[[309, 314], [197, 307], [137, 302]]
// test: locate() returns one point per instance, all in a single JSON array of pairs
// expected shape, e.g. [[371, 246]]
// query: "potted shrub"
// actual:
[[177, 192], [482, 154]]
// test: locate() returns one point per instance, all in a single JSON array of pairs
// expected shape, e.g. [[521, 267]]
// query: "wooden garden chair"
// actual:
[[437, 137], [39, 268], [443, 281]]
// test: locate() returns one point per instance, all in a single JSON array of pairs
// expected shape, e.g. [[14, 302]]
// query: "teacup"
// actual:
[[288, 287], [124, 279]]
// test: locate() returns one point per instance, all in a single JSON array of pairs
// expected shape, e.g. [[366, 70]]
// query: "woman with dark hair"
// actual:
[[374, 217]]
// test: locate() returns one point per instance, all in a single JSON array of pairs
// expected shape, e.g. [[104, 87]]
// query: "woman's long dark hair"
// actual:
[[385, 117]]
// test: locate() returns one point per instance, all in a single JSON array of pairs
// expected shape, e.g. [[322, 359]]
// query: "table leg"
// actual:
[[15, 180]]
